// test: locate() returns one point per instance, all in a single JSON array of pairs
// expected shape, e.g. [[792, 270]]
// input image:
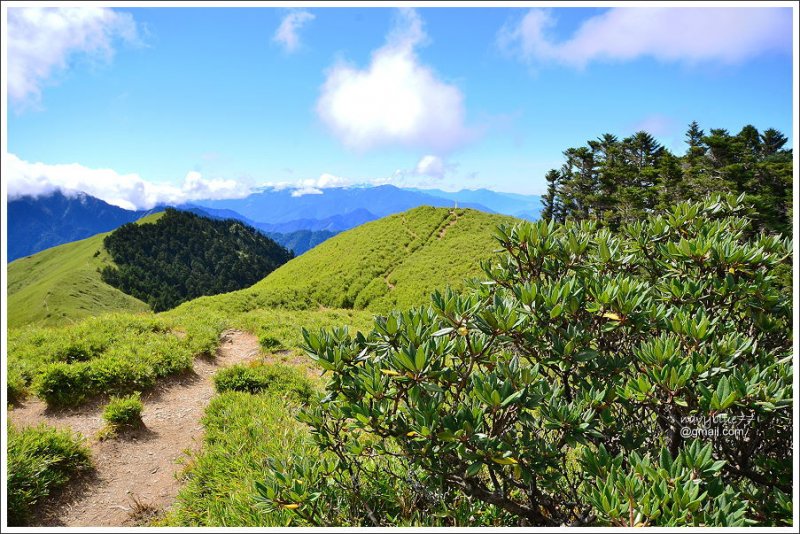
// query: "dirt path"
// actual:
[[450, 223], [135, 473]]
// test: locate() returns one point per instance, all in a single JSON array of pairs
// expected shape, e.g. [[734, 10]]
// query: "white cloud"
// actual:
[[690, 35], [42, 41], [129, 191], [306, 191], [432, 166], [286, 34], [396, 100]]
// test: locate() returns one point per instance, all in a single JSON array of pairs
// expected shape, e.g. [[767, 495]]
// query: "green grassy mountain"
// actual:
[[394, 262], [63, 284]]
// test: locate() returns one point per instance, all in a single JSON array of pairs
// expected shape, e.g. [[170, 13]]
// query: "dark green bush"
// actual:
[[259, 378], [270, 343], [124, 411], [39, 461], [635, 378], [63, 384]]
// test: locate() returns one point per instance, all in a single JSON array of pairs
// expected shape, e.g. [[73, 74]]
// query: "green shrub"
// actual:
[[63, 384], [635, 378], [16, 388], [39, 461], [270, 343], [112, 354], [275, 378], [124, 411]]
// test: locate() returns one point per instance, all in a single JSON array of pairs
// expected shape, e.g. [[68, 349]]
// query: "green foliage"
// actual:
[[241, 431], [276, 378], [183, 256], [635, 378], [278, 329], [39, 461], [396, 261], [614, 180], [15, 385], [124, 411], [111, 354]]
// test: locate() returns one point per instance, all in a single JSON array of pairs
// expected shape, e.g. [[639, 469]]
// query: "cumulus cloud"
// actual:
[[395, 100], [689, 35], [287, 32], [129, 191], [42, 41], [433, 167]]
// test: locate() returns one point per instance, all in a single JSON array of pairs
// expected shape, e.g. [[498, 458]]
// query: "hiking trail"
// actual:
[[135, 476]]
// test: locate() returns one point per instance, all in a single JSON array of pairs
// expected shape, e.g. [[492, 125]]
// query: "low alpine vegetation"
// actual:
[[111, 354], [395, 262], [124, 411], [241, 431], [40, 460], [286, 380], [636, 378]]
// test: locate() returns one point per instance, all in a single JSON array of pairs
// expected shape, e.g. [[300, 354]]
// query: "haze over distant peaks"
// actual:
[[298, 222]]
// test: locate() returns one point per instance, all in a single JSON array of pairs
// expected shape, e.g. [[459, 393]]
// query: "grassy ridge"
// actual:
[[394, 262], [62, 284], [380, 265]]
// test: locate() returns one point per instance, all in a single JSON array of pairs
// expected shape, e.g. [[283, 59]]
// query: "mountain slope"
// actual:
[[35, 224], [63, 284], [334, 223], [394, 262], [184, 256]]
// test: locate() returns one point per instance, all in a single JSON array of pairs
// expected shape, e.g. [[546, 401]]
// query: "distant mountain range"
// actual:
[[522, 206], [38, 223], [283, 206], [297, 222]]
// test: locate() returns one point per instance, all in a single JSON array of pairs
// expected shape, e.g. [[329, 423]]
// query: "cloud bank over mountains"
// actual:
[[129, 191]]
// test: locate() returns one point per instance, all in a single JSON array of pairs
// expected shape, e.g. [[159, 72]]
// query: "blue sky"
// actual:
[[151, 104]]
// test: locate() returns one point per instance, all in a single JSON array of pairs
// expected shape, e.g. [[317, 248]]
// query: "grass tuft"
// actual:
[[124, 411], [40, 460], [276, 378]]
